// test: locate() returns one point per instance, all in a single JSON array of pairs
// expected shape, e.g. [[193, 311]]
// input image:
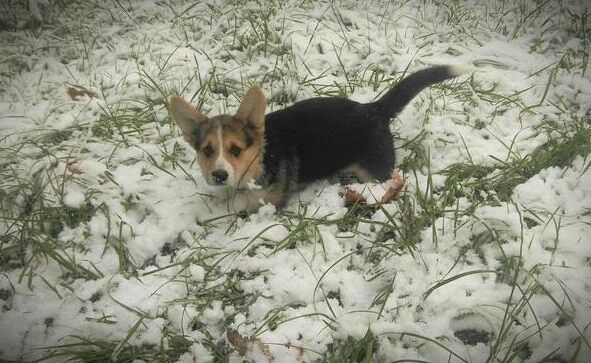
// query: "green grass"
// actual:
[[352, 350], [86, 350], [565, 144]]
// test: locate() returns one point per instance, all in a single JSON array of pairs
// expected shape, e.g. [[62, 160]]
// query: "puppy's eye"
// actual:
[[235, 151], [207, 151]]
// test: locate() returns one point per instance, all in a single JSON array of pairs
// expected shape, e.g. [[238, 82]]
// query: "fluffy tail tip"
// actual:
[[458, 70]]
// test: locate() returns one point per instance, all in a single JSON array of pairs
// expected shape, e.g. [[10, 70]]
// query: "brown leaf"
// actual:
[[102, 178], [73, 168], [319, 48], [78, 92], [241, 344], [265, 349], [300, 352], [397, 185], [353, 197], [237, 341]]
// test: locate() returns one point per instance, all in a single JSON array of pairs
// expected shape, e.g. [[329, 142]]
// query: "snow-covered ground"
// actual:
[[113, 247]]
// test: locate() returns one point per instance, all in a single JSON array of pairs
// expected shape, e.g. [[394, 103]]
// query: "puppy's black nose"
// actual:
[[219, 176]]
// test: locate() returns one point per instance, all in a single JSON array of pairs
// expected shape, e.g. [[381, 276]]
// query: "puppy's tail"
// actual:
[[396, 98]]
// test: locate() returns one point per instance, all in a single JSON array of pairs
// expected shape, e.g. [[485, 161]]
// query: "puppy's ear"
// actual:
[[252, 108], [186, 116]]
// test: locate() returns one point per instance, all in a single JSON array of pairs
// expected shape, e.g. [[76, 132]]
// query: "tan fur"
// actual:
[[271, 194], [248, 165], [186, 116], [252, 108], [251, 114], [206, 163], [276, 193]]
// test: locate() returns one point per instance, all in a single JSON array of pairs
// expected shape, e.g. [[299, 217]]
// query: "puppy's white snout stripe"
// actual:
[[221, 163]]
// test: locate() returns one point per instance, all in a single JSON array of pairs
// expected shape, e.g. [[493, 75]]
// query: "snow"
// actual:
[[162, 246]]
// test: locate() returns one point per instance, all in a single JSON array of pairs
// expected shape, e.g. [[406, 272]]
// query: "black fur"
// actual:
[[316, 138]]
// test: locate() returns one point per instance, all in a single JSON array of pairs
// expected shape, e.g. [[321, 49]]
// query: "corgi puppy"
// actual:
[[310, 140]]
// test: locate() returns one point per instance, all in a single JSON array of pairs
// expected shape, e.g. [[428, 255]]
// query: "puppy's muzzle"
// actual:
[[219, 176]]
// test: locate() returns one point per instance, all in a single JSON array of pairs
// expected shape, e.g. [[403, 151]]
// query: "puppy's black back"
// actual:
[[321, 136], [324, 134]]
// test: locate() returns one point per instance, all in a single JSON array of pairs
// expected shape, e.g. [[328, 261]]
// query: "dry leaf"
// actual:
[[241, 344], [237, 341], [73, 168], [102, 179], [265, 349], [319, 48], [397, 185], [353, 197], [78, 92], [300, 352]]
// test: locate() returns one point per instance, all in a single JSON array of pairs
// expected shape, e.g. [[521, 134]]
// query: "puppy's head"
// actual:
[[229, 148]]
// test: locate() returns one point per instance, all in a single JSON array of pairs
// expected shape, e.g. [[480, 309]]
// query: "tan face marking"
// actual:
[[207, 154], [246, 160], [229, 149]]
